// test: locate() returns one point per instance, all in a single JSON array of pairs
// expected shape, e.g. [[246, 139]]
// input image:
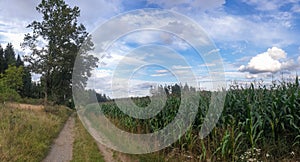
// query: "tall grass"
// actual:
[[258, 122], [27, 135], [85, 147]]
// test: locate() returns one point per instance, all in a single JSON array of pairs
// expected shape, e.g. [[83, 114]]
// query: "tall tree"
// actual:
[[26, 90], [13, 77], [2, 61], [9, 56], [19, 61], [63, 40]]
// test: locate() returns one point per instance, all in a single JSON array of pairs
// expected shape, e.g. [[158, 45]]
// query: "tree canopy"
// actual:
[[55, 42]]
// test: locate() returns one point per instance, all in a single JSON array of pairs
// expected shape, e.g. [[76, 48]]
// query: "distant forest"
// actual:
[[15, 77]]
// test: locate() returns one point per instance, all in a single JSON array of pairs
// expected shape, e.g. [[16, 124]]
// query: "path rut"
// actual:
[[109, 155]]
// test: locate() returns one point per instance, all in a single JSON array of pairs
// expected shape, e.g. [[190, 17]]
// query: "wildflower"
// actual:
[[292, 153], [252, 159]]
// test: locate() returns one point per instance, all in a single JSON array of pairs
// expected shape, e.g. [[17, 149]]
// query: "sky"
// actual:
[[252, 40]]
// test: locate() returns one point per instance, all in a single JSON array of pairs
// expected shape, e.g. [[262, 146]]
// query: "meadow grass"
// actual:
[[27, 135], [84, 147]]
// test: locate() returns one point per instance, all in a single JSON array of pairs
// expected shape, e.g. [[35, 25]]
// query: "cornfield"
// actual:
[[259, 122]]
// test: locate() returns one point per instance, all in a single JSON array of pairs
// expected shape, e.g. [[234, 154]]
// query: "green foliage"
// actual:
[[66, 39], [13, 77], [84, 147], [7, 94], [2, 61], [10, 84], [257, 120], [19, 61], [9, 56], [27, 88]]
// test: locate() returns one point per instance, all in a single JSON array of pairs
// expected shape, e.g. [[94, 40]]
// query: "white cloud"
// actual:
[[251, 76], [180, 67], [288, 65], [276, 53], [296, 8], [214, 51], [269, 61], [13, 32], [142, 37], [15, 15], [264, 5], [159, 75], [298, 59], [152, 36], [161, 71], [190, 5], [207, 65], [270, 5], [257, 31], [95, 12], [18, 10]]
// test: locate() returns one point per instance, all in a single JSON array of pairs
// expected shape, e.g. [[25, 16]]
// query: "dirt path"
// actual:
[[111, 155], [108, 154], [61, 150]]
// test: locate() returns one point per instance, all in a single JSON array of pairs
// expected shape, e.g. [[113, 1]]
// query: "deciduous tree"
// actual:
[[54, 43]]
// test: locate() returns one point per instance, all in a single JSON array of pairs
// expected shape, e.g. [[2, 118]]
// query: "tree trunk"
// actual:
[[46, 96]]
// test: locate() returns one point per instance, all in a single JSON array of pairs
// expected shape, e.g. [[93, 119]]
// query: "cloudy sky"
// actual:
[[255, 40]]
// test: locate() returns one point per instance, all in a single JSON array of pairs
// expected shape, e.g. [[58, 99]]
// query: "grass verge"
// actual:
[[27, 135], [85, 147]]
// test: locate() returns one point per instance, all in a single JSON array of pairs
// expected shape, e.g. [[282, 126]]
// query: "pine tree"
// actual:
[[9, 56], [26, 90], [19, 61], [2, 61]]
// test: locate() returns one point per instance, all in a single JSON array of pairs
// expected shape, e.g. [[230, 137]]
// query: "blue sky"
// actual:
[[256, 40]]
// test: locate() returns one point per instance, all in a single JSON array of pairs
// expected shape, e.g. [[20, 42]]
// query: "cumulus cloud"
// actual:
[[269, 61]]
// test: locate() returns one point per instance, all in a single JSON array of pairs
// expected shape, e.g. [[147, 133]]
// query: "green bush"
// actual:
[[7, 94]]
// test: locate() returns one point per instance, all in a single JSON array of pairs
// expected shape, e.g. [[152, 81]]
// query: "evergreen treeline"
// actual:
[[15, 77]]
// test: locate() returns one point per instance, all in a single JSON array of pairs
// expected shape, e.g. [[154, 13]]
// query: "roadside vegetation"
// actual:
[[84, 147], [26, 135]]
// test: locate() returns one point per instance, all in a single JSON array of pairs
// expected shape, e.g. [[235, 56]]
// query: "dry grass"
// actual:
[[26, 106], [85, 147], [26, 135]]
